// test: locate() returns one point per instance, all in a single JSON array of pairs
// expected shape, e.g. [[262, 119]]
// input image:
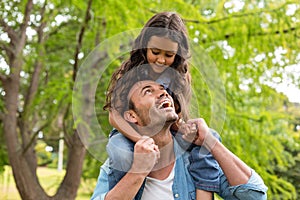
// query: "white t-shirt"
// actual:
[[159, 189]]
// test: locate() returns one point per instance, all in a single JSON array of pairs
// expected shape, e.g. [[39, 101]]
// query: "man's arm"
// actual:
[[239, 180], [127, 187], [244, 182], [146, 154], [204, 195], [236, 171]]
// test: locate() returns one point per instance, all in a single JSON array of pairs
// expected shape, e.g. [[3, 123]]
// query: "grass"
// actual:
[[49, 179]]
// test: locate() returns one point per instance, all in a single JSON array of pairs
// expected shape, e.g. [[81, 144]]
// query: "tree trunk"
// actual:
[[24, 174], [71, 182], [18, 133], [25, 178]]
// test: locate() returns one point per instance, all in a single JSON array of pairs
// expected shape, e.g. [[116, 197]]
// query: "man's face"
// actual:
[[153, 105]]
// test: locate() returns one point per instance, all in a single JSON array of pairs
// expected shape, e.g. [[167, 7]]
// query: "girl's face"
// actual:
[[161, 53]]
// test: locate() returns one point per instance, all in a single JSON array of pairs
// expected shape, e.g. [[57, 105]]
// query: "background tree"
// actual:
[[250, 45], [32, 98]]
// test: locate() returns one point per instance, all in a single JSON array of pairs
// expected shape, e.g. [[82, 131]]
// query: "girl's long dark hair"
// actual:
[[168, 25]]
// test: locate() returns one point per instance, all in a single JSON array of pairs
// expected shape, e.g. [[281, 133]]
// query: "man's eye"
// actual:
[[148, 91]]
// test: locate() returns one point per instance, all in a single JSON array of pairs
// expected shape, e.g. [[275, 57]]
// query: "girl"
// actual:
[[162, 44]]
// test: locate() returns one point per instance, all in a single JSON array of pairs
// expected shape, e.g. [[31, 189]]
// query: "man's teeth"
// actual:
[[164, 104]]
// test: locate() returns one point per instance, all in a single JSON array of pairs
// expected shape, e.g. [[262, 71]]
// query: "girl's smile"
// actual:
[[161, 53]]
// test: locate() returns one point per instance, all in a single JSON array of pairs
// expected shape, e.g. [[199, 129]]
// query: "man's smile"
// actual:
[[165, 104]]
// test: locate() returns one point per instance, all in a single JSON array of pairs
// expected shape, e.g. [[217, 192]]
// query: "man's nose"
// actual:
[[162, 93]]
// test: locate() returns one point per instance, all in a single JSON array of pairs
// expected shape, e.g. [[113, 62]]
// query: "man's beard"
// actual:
[[155, 120]]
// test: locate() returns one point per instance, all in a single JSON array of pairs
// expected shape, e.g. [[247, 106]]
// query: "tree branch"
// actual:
[[67, 138], [3, 78], [237, 15], [10, 32], [38, 65], [80, 38], [32, 139], [5, 46], [277, 32], [26, 18], [1, 116]]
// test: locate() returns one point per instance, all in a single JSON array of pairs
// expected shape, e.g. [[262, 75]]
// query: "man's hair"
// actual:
[[120, 100]]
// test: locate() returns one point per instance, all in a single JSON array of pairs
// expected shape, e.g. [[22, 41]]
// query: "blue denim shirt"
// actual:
[[203, 167], [183, 187]]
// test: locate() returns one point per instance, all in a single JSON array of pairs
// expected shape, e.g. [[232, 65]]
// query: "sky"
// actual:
[[292, 92], [289, 89]]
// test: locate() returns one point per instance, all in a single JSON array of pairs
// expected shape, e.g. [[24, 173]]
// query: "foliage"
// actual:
[[242, 49], [44, 157]]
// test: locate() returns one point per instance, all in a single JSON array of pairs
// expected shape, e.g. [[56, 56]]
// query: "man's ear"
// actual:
[[130, 116]]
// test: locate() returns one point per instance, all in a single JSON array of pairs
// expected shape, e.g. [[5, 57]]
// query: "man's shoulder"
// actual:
[[105, 166]]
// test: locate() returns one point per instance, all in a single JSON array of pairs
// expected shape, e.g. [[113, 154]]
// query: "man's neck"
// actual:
[[167, 157], [164, 136], [164, 140], [160, 134]]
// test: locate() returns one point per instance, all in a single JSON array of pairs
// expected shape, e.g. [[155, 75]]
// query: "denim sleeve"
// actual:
[[102, 183], [204, 168], [120, 152], [254, 189]]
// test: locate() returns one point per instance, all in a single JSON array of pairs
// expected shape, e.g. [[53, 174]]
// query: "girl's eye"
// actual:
[[155, 52], [158, 51], [170, 55]]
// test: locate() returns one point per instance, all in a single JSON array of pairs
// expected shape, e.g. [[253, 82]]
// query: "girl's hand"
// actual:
[[204, 137], [189, 130]]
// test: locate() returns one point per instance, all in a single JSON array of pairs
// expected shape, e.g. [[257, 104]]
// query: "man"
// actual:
[[160, 166]]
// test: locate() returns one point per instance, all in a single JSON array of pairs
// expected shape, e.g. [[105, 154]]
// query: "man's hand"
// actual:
[[146, 155]]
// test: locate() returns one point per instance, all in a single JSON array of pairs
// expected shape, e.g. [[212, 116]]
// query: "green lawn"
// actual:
[[50, 180]]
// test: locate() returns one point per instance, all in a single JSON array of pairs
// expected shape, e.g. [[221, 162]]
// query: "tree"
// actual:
[[238, 48], [21, 83]]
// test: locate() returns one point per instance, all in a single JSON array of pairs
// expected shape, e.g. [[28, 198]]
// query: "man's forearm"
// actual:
[[204, 195], [127, 187], [235, 170]]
